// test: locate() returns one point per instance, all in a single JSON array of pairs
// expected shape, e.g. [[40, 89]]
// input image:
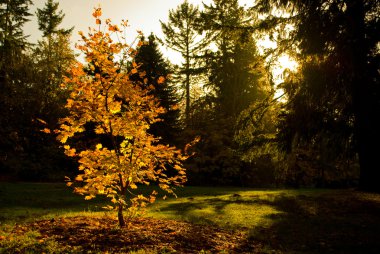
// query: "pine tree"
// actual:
[[49, 18], [53, 55], [13, 15], [230, 72], [182, 35], [150, 61], [334, 103], [15, 73]]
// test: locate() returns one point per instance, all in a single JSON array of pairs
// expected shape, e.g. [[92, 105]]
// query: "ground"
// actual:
[[49, 218], [163, 236]]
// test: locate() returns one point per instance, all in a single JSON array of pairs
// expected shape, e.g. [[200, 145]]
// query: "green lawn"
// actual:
[[283, 221]]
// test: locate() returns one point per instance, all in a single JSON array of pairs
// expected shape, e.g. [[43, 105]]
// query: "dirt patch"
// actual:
[[103, 234]]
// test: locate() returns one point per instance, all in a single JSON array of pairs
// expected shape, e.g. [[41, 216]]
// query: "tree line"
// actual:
[[321, 132]]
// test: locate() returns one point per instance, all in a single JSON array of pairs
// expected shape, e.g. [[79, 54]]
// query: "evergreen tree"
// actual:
[[158, 71], [53, 55], [333, 106], [230, 72], [235, 81], [49, 18], [182, 35], [54, 49], [15, 75], [13, 15]]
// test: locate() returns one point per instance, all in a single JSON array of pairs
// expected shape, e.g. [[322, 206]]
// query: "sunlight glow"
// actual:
[[283, 62]]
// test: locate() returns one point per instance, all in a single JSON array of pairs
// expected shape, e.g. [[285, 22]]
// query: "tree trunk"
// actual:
[[365, 103], [120, 216]]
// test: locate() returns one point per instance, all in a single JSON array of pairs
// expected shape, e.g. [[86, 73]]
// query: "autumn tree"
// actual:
[[122, 112]]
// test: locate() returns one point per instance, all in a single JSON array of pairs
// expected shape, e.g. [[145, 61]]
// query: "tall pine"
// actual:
[[15, 76], [158, 72], [182, 35]]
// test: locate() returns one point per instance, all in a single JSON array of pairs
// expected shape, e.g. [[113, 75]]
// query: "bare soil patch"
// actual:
[[103, 234]]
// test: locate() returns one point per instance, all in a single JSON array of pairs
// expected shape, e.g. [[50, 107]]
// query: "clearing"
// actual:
[[42, 217]]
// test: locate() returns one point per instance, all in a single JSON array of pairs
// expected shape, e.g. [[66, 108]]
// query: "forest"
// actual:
[[114, 118]]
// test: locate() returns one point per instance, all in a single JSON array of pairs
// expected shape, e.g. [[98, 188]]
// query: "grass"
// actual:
[[283, 221]]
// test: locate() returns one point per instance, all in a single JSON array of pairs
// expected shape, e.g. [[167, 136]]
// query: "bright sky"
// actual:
[[142, 15]]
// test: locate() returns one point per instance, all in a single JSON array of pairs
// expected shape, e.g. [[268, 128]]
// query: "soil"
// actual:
[[162, 236]]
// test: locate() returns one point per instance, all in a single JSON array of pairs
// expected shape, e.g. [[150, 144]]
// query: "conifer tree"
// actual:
[[14, 79], [182, 35], [151, 62]]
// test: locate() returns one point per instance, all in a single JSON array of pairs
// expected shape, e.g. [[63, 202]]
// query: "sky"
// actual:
[[142, 15]]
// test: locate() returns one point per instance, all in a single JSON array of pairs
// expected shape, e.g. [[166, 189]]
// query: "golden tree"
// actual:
[[102, 96]]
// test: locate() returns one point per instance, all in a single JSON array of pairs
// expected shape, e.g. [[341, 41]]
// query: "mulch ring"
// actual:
[[103, 234]]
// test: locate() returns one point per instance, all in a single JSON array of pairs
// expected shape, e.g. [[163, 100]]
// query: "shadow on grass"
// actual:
[[335, 222], [340, 223], [25, 201]]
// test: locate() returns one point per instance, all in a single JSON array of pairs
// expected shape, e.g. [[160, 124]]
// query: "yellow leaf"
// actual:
[[88, 197], [46, 130], [79, 178], [99, 146], [160, 80], [41, 121], [97, 12]]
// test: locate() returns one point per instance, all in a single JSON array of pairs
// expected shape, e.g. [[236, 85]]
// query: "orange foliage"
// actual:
[[121, 111]]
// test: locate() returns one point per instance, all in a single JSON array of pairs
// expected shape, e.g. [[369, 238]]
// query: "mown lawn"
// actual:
[[272, 221]]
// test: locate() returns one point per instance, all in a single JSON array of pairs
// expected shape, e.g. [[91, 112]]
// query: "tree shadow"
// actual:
[[340, 223], [336, 222]]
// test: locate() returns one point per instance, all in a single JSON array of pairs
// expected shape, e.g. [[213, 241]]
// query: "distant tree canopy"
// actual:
[[334, 101], [30, 96]]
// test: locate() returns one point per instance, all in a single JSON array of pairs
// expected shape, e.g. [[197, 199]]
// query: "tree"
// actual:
[[49, 18], [122, 112], [13, 15], [15, 77], [232, 74], [53, 55], [151, 62], [335, 101], [181, 35]]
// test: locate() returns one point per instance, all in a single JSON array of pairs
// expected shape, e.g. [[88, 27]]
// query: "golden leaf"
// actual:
[[97, 12], [79, 178], [160, 80], [46, 130]]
